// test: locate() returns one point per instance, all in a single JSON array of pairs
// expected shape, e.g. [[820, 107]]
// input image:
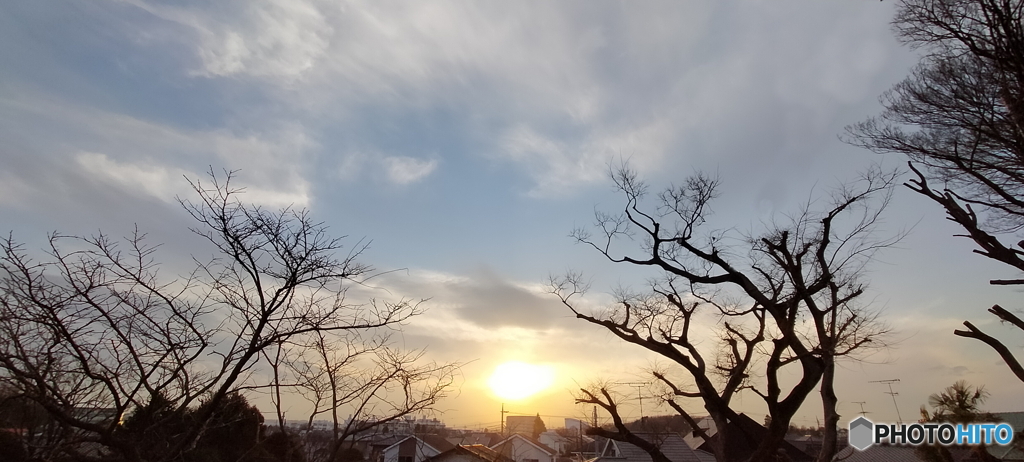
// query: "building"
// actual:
[[555, 441], [522, 448], [414, 448], [474, 438], [469, 453], [672, 445], [745, 437], [524, 425], [576, 425], [896, 453], [1013, 452]]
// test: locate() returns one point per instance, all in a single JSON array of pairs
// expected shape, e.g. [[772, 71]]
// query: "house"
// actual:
[[555, 441], [809, 444], [672, 445], [468, 439], [693, 439], [896, 453], [522, 448], [469, 453], [746, 435], [1013, 452], [415, 448]]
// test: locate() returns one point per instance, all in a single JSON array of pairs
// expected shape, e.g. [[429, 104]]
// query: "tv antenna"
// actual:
[[638, 386], [889, 383], [861, 403]]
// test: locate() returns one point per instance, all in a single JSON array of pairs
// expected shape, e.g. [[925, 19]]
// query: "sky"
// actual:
[[465, 140]]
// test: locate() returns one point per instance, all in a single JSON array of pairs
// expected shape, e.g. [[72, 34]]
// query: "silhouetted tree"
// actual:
[[959, 118], [959, 403], [93, 334], [790, 307], [538, 426], [365, 378]]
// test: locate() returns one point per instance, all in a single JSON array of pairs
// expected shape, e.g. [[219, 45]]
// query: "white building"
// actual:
[[415, 449], [522, 448]]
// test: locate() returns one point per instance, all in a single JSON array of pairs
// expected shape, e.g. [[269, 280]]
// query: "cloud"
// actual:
[[14, 192], [405, 170], [156, 158], [561, 88], [264, 38], [161, 182], [486, 300], [560, 167]]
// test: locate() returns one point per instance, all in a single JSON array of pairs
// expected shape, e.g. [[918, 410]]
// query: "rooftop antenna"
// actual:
[[862, 403], [638, 386], [889, 383]]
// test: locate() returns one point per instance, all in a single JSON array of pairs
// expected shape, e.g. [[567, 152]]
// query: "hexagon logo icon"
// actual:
[[861, 433]]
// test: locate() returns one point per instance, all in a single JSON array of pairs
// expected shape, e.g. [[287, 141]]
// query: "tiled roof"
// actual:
[[485, 452], [1012, 452], [671, 445], [746, 435], [531, 440], [894, 453], [486, 439], [439, 443], [479, 451]]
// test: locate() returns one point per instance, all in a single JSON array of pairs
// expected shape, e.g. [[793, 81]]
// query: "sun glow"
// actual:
[[516, 380]]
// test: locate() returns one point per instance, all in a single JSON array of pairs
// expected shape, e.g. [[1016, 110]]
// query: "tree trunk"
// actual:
[[768, 449], [829, 401]]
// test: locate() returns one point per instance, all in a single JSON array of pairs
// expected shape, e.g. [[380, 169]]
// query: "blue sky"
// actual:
[[466, 139]]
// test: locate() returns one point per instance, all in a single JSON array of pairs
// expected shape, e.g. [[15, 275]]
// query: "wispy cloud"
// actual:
[[162, 182], [156, 158], [405, 170], [561, 166], [264, 38]]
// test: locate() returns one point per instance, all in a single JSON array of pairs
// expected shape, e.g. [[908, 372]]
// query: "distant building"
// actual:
[[524, 425], [576, 425]]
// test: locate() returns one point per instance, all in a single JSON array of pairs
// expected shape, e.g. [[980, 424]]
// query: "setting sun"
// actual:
[[517, 380]]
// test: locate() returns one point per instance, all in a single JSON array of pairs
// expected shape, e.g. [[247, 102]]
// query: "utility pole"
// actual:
[[889, 383], [503, 412]]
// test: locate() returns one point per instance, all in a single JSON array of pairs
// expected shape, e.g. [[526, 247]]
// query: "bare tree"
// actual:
[[94, 333], [959, 118], [787, 307], [366, 378], [602, 395]]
